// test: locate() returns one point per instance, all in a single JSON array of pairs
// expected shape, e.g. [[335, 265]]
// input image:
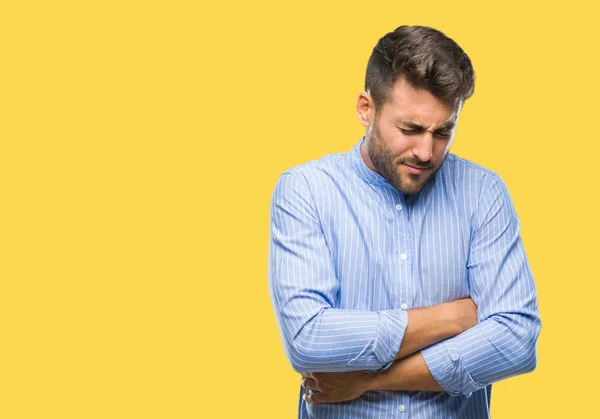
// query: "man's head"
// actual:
[[417, 80]]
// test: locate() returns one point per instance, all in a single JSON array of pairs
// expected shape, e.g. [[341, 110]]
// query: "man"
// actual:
[[397, 271]]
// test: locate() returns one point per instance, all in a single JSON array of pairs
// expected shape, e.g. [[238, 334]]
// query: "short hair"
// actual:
[[425, 58]]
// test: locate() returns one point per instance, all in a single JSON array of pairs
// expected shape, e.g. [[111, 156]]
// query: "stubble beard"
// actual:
[[387, 166]]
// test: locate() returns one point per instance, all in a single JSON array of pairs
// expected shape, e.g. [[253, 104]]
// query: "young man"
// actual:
[[397, 272]]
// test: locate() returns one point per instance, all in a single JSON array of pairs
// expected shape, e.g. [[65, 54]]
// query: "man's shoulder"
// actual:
[[460, 163], [321, 179], [328, 166], [478, 182], [467, 170]]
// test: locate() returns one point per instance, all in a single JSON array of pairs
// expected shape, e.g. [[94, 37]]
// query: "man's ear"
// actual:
[[365, 109]]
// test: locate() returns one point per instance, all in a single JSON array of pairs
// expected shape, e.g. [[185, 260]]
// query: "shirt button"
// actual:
[[454, 357], [399, 207], [401, 408], [403, 256], [404, 306]]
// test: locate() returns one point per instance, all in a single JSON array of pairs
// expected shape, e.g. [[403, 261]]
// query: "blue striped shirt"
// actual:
[[349, 254]]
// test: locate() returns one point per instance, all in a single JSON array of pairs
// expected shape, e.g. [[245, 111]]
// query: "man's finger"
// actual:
[[316, 398], [309, 384]]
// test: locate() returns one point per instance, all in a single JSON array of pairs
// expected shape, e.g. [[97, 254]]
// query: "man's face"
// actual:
[[410, 137]]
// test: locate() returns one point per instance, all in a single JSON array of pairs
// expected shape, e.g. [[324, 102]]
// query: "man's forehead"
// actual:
[[420, 106]]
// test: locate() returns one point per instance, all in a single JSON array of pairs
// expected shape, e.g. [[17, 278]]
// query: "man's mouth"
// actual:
[[416, 169]]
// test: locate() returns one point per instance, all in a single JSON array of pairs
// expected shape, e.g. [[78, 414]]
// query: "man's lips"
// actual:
[[416, 169]]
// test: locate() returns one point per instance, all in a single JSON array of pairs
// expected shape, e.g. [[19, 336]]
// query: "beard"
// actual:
[[388, 166]]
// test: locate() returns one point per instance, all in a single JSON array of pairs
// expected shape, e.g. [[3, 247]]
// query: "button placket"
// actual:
[[406, 249]]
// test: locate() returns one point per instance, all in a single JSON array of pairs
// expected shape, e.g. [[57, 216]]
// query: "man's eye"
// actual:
[[443, 134], [409, 131]]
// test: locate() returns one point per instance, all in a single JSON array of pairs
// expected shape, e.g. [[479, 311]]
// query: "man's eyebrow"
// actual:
[[409, 124], [414, 125], [447, 126]]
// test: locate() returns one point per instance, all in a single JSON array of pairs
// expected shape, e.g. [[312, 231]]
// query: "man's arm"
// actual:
[[408, 374], [304, 288], [501, 345], [430, 325]]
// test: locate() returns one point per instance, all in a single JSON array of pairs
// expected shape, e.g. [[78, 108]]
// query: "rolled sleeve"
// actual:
[[444, 363], [390, 332]]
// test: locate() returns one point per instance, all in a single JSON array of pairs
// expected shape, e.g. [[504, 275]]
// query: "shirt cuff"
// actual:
[[444, 363], [390, 332]]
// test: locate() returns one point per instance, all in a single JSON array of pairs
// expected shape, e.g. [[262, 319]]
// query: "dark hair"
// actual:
[[426, 58]]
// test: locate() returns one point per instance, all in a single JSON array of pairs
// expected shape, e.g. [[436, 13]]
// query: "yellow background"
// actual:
[[140, 143]]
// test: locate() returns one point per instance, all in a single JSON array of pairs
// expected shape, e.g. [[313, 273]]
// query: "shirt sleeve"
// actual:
[[503, 343], [317, 336]]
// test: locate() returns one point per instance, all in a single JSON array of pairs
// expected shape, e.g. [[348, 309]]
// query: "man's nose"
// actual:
[[423, 146]]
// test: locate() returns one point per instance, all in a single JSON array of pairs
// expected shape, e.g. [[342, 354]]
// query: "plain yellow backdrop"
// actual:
[[140, 144]]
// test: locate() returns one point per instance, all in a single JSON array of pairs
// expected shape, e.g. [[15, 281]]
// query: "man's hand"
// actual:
[[332, 387]]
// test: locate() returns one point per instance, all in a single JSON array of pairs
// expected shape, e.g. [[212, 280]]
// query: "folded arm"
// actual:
[[303, 286], [501, 345], [407, 374]]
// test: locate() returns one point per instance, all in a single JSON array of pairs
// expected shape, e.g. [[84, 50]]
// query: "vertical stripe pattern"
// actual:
[[349, 254]]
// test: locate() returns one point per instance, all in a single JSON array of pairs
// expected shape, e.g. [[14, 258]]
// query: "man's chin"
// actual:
[[411, 187], [412, 190]]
